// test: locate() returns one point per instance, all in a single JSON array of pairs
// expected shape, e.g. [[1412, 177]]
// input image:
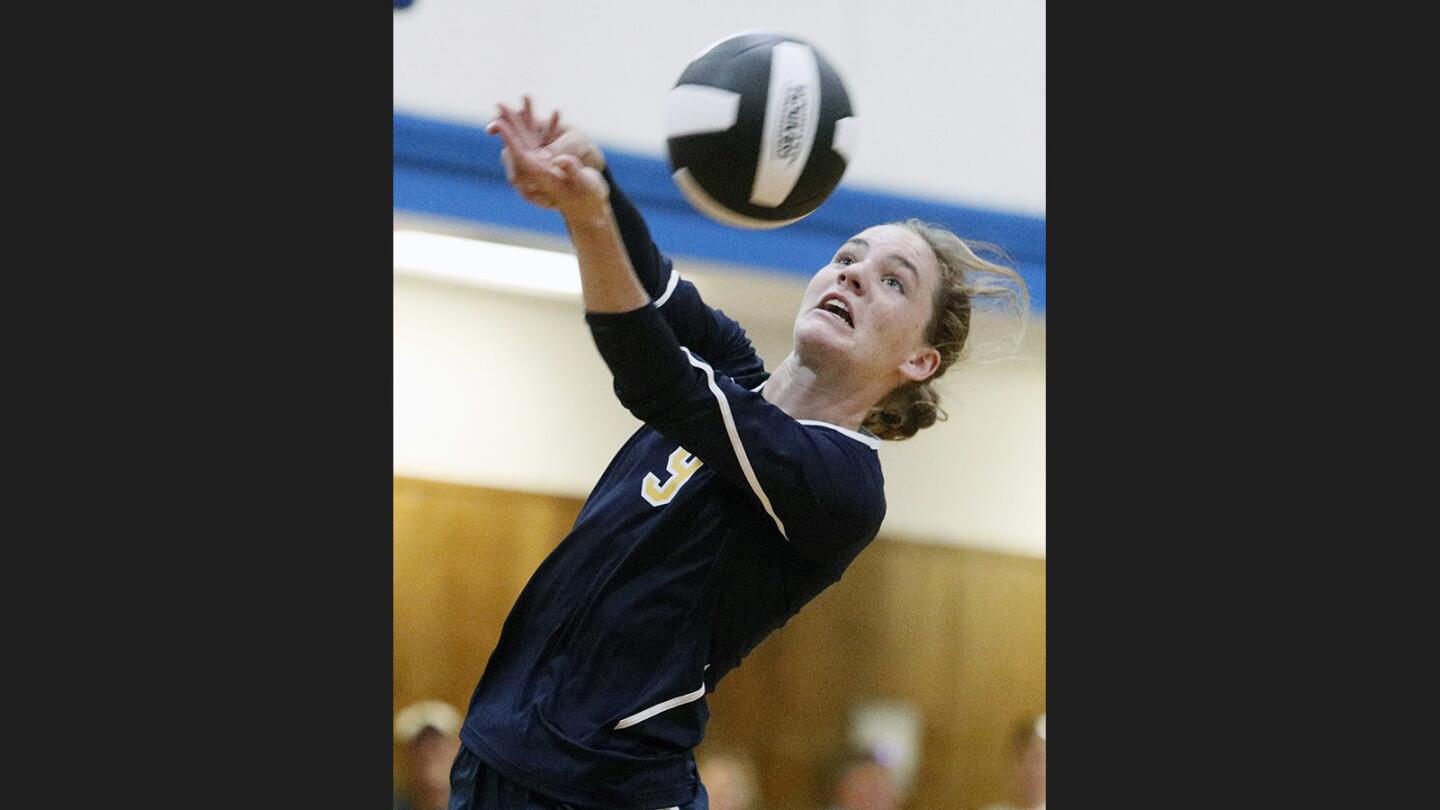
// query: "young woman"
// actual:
[[744, 495]]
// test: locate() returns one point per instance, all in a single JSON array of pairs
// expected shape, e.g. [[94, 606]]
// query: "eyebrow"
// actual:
[[901, 259]]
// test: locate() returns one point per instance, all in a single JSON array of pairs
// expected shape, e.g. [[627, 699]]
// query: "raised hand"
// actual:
[[549, 164]]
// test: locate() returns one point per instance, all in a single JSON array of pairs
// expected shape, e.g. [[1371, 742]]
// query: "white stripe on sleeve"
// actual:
[[669, 288], [735, 439]]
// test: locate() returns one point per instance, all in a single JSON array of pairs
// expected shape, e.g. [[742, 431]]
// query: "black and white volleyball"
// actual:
[[759, 130]]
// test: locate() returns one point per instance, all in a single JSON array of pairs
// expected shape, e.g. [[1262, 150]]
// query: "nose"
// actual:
[[851, 279]]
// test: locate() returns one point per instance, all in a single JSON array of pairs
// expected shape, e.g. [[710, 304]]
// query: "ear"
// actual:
[[921, 366]]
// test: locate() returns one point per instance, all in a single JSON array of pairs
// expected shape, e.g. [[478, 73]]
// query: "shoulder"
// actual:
[[857, 482], [856, 441]]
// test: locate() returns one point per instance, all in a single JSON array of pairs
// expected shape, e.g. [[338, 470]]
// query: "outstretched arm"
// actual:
[[582, 196], [822, 489], [703, 329]]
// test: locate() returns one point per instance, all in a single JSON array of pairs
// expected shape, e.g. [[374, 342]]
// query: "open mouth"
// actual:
[[836, 306]]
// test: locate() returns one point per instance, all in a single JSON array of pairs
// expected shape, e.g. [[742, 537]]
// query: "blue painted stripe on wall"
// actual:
[[453, 170]]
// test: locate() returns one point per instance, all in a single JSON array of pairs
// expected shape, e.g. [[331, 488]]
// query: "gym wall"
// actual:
[[959, 633]]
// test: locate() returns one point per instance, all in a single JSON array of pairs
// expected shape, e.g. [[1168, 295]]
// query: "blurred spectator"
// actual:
[[1027, 751], [729, 778], [429, 735], [861, 782]]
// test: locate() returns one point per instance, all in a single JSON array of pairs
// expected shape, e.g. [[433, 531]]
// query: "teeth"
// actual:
[[840, 308]]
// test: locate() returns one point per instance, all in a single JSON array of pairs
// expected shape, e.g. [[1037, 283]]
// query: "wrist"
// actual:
[[589, 218]]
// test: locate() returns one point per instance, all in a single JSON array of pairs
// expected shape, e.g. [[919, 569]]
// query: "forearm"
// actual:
[[645, 258], [607, 280], [562, 182]]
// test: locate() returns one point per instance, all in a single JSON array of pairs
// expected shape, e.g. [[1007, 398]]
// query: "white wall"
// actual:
[[507, 391], [950, 93]]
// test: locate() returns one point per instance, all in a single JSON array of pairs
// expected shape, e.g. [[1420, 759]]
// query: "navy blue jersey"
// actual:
[[714, 524]]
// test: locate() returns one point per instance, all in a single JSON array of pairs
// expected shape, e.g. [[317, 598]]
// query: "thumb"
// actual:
[[570, 166]]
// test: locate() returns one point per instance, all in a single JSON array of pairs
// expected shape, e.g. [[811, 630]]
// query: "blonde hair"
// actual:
[[965, 280]]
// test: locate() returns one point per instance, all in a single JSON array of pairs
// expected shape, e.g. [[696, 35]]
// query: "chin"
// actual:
[[818, 342]]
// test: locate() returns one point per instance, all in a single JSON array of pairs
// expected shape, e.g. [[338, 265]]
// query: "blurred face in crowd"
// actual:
[[431, 756], [1031, 772], [869, 786], [728, 783]]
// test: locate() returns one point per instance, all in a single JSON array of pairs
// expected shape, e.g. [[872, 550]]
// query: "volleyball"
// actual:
[[759, 130]]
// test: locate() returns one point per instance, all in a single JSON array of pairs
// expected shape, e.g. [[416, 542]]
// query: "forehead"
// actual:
[[903, 242]]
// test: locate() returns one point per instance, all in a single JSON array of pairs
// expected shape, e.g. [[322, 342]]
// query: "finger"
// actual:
[[552, 130], [565, 143], [521, 133], [508, 115], [522, 165], [524, 156], [530, 166], [507, 134], [527, 111]]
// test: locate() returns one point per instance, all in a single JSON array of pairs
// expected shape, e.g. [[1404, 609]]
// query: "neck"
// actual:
[[806, 393]]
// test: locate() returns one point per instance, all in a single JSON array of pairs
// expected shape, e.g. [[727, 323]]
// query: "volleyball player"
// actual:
[[745, 493]]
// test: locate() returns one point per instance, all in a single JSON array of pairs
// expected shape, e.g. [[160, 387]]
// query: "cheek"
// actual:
[[812, 292], [821, 281], [906, 325]]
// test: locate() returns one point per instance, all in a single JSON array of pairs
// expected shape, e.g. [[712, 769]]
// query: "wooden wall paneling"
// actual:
[[958, 632]]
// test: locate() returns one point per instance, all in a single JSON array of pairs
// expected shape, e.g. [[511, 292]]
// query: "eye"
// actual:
[[845, 259], [894, 282]]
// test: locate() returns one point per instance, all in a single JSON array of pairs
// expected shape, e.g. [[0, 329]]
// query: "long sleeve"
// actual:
[[820, 484], [703, 329]]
